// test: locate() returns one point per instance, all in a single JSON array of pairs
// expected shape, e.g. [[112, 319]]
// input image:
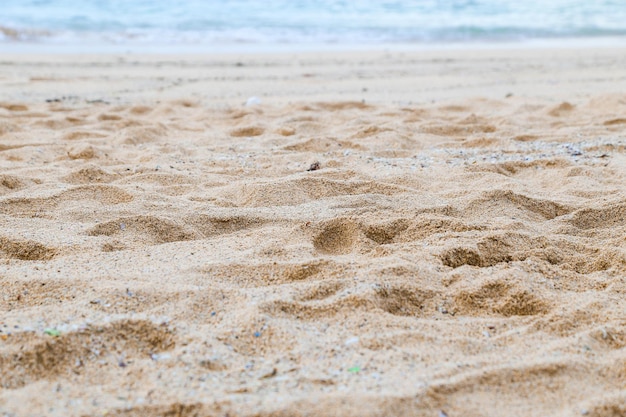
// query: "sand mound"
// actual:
[[174, 259]]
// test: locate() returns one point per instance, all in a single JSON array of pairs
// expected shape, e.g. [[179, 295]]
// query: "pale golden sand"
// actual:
[[166, 250]]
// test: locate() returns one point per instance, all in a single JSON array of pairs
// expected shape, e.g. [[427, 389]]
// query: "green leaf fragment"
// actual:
[[52, 332], [354, 369]]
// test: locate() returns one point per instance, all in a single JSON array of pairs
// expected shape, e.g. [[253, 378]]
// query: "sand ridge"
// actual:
[[459, 257]]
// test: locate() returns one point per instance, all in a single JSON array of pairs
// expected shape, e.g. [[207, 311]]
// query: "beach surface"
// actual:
[[373, 233]]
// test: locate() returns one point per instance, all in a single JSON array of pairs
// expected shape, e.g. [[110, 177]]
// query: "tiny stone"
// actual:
[[351, 341], [314, 166], [253, 101]]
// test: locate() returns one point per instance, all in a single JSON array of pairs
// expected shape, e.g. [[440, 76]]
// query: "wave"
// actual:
[[297, 36], [323, 21]]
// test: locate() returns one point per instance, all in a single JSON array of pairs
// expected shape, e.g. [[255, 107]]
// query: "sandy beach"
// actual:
[[374, 233]]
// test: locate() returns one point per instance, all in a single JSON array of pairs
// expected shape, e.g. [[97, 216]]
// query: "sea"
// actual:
[[211, 24]]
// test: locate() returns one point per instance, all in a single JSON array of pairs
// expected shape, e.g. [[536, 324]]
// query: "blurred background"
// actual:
[[210, 23]]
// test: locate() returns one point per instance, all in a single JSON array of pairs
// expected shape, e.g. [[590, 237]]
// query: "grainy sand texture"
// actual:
[[404, 233]]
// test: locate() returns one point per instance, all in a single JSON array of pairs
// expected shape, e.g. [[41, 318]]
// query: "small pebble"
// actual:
[[351, 341], [160, 356], [314, 166], [253, 101]]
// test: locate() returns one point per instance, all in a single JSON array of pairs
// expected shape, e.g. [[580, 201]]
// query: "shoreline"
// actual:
[[26, 47]]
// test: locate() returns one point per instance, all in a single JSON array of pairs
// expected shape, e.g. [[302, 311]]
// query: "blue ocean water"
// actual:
[[213, 22]]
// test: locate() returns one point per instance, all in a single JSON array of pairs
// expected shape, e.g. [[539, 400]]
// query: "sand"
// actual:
[[399, 233]]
